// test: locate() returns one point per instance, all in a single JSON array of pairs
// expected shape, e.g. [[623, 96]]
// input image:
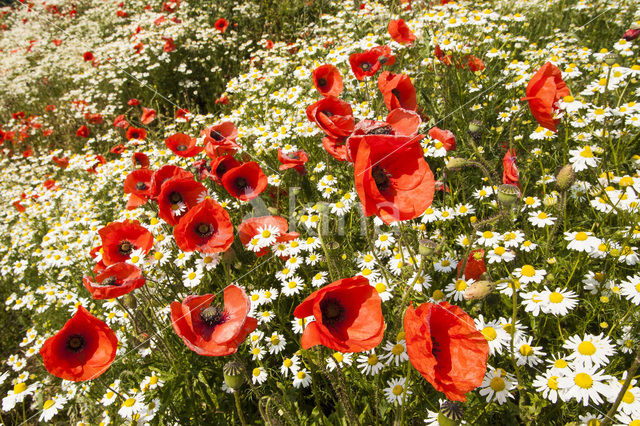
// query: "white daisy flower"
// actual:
[[528, 274], [541, 219], [290, 366], [396, 392], [258, 375], [591, 350], [527, 354], [547, 384], [339, 359], [302, 378], [581, 241], [395, 353], [369, 363], [497, 385], [585, 384]]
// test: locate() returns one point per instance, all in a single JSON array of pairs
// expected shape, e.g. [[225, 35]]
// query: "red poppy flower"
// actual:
[[183, 145], [83, 132], [169, 45], [545, 88], [348, 315], [148, 115], [293, 160], [221, 25], [220, 139], [441, 56], [88, 56], [392, 178], [474, 267], [222, 165], [249, 229], [368, 63], [140, 159], [93, 118], [400, 32], [335, 147], [205, 228], [475, 64], [224, 100], [177, 196], [510, 174], [119, 239], [18, 206], [133, 102], [444, 345], [61, 162], [397, 90], [444, 137], [245, 182], [163, 174], [138, 183], [115, 281], [213, 330], [117, 149], [182, 113], [120, 121], [632, 33], [334, 116], [328, 81], [82, 350], [136, 133]]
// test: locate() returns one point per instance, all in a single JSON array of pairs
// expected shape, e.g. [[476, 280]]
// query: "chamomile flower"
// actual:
[[582, 158], [276, 343], [497, 385], [15, 396], [590, 350], [208, 261], [456, 288], [581, 241], [290, 366], [528, 274], [500, 254], [541, 219], [558, 302], [384, 290], [369, 363], [292, 286], [298, 324], [267, 235], [384, 241], [532, 302], [301, 378], [527, 354], [257, 352], [396, 391], [395, 353], [547, 384], [488, 238], [445, 265], [191, 277], [284, 274], [585, 384], [530, 203], [630, 288], [50, 407], [496, 335], [339, 359], [528, 246], [131, 406], [258, 375]]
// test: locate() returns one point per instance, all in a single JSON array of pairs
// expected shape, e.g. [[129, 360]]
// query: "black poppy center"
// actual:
[[383, 59], [381, 178], [241, 184], [75, 343], [435, 347], [327, 113], [141, 186], [125, 247], [135, 135], [322, 82], [333, 313], [216, 135], [181, 148], [221, 169], [204, 229], [396, 92], [175, 197], [112, 280], [366, 66], [382, 130], [213, 315]]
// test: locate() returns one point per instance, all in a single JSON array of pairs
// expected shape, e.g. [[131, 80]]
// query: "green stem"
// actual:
[[627, 383], [239, 408]]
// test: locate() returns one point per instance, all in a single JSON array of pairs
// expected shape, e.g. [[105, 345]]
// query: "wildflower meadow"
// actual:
[[320, 212]]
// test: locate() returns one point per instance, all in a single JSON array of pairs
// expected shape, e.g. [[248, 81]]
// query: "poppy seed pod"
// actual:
[[451, 413], [233, 373], [479, 290], [456, 164], [508, 194], [610, 58], [427, 247], [565, 177]]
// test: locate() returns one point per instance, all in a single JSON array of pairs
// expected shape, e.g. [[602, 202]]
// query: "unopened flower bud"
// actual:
[[479, 290], [130, 301], [233, 372], [508, 194], [427, 247], [229, 256], [456, 164], [565, 177], [451, 413], [610, 58], [475, 126]]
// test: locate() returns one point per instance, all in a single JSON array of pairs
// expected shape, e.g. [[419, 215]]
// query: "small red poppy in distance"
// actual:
[[327, 80], [510, 174], [220, 139], [136, 133], [82, 350], [119, 239], [163, 174], [444, 345], [397, 90], [133, 102], [61, 162], [245, 182], [221, 25], [222, 165], [368, 63], [118, 149], [148, 115], [93, 118], [88, 56], [115, 281], [334, 117], [632, 33], [293, 160], [249, 229], [210, 329], [120, 122], [205, 228], [183, 114], [392, 178], [444, 137], [83, 132], [348, 315], [140, 159], [400, 32], [545, 88], [138, 183], [183, 145], [474, 267], [177, 197]]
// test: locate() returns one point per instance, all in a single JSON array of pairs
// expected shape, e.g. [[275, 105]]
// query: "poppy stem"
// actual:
[[627, 383], [325, 249], [236, 397], [514, 317]]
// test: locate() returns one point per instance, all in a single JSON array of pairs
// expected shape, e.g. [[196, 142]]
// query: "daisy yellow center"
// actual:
[[397, 349], [583, 380], [19, 388], [266, 233], [366, 271], [635, 423], [497, 384], [445, 263], [292, 284], [275, 341], [397, 390], [529, 201], [339, 204], [338, 356], [560, 363], [157, 255], [255, 297], [527, 271], [586, 348], [288, 363], [256, 372], [438, 295], [499, 251], [301, 375], [439, 145], [48, 404], [368, 258], [487, 234], [129, 402], [552, 383], [489, 333], [153, 380], [556, 297], [526, 350], [372, 360], [542, 215], [192, 275], [581, 236], [586, 152], [628, 398], [461, 285], [267, 294], [568, 99], [383, 238], [380, 287]]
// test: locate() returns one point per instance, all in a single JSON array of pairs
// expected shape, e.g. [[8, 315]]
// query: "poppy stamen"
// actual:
[[175, 197], [322, 82], [241, 184], [366, 66], [381, 178], [221, 169], [383, 130], [213, 315], [396, 93], [215, 135], [125, 247], [435, 347], [111, 281], [181, 148], [75, 343], [141, 186], [328, 113], [204, 229], [333, 313]]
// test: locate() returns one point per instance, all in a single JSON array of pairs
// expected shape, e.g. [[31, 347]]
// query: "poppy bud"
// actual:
[[233, 372], [427, 247], [479, 290], [565, 177], [475, 130], [508, 194], [229, 256], [610, 58], [456, 164], [130, 301], [450, 414]]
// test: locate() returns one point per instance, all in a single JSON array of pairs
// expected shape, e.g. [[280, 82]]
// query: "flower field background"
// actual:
[[320, 212]]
